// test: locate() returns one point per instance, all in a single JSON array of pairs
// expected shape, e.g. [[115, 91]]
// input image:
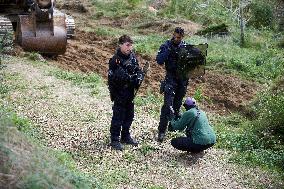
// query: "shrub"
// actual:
[[269, 109], [261, 14]]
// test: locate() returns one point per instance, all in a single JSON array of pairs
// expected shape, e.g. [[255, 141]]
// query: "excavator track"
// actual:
[[5, 26], [70, 26]]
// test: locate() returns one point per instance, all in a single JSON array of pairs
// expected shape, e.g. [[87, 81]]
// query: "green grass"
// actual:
[[148, 44], [93, 81], [35, 165], [261, 60], [150, 104], [146, 149], [238, 135], [206, 13], [121, 9]]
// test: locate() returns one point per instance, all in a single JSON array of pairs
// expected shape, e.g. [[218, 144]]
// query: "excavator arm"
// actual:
[[38, 25]]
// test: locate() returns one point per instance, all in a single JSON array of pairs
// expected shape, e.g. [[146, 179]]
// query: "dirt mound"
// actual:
[[221, 93], [224, 93], [86, 53], [74, 5], [167, 27]]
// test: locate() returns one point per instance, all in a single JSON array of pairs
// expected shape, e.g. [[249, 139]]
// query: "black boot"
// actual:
[[129, 140], [116, 145]]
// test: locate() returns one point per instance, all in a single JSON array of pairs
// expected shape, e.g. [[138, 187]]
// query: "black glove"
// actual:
[[136, 79], [130, 68], [133, 78], [121, 75]]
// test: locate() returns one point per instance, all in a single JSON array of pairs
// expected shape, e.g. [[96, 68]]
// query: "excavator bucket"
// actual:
[[45, 36]]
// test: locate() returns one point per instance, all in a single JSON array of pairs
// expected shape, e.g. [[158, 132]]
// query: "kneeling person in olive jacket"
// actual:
[[199, 134]]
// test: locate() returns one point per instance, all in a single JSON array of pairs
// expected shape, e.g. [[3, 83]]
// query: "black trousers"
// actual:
[[122, 118], [186, 144], [174, 91]]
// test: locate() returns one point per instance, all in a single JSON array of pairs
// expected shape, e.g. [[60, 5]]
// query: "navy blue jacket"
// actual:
[[121, 82], [168, 54]]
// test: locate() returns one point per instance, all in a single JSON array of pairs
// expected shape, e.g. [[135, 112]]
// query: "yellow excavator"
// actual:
[[37, 25]]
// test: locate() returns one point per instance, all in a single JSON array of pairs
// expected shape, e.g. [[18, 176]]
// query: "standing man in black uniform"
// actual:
[[173, 87], [124, 78]]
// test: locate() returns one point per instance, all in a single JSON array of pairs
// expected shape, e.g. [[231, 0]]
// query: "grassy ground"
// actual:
[[70, 112], [62, 112]]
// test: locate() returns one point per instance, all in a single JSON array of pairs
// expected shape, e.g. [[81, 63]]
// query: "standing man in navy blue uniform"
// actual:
[[124, 78], [173, 87]]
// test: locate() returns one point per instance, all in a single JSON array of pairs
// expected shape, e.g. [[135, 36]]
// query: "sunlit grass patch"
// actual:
[[148, 44], [93, 81]]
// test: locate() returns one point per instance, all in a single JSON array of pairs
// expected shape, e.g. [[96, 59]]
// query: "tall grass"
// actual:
[[32, 165], [204, 12], [260, 60], [238, 134], [122, 8], [269, 110]]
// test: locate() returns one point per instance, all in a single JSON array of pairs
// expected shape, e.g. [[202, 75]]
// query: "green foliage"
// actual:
[[261, 60], [115, 176], [269, 109], [21, 123], [6, 44], [116, 8], [93, 80], [206, 13], [134, 12], [4, 89], [33, 165], [146, 149], [130, 157], [199, 96], [33, 56], [134, 3], [148, 45], [106, 31], [261, 14], [238, 134]]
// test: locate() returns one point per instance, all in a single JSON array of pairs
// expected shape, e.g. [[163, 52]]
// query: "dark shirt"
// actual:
[[168, 54], [121, 68]]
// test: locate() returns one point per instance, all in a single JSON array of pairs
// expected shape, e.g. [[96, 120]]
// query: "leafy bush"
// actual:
[[206, 13], [239, 135], [269, 109], [261, 60], [261, 14]]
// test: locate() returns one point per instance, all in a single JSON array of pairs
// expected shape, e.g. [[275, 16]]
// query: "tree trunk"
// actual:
[[242, 41]]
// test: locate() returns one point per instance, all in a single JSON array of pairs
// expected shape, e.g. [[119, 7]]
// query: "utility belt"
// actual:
[[171, 78]]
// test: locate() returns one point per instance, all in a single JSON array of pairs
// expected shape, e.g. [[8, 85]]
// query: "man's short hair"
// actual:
[[124, 39], [179, 30]]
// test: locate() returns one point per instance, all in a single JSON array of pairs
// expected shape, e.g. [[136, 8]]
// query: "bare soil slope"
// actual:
[[89, 52]]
